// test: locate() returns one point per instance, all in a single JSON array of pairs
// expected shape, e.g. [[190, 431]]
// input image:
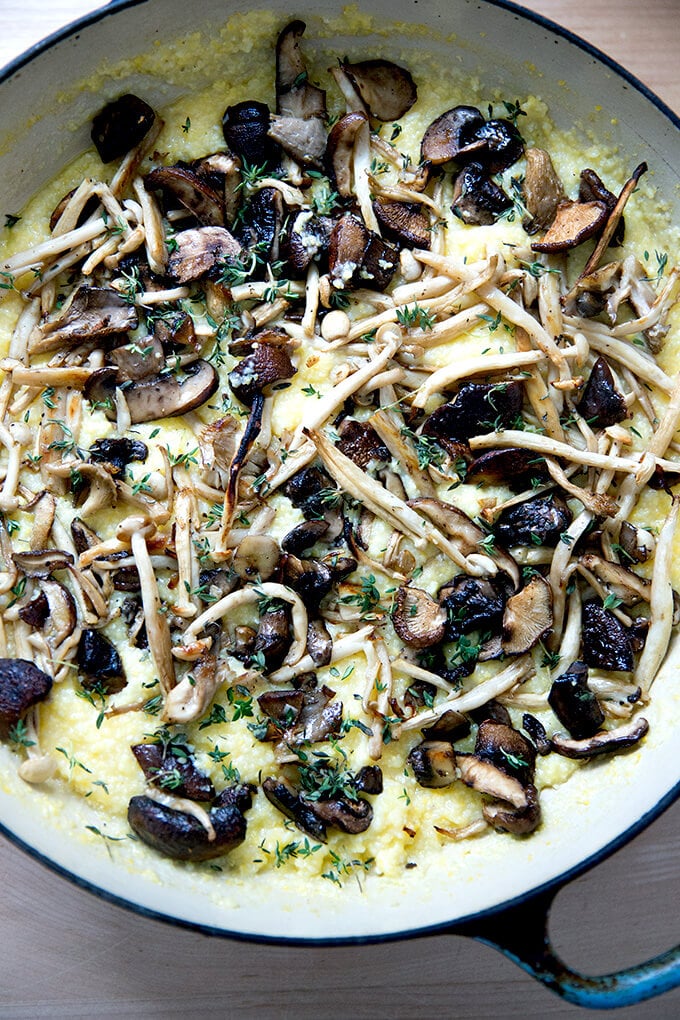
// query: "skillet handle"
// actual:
[[521, 934]]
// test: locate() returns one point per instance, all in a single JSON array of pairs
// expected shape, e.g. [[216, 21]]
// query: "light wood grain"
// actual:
[[66, 954]]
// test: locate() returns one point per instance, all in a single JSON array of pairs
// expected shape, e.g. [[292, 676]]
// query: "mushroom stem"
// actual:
[[660, 603], [157, 628]]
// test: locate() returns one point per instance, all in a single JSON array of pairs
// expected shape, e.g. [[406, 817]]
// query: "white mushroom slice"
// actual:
[[486, 778], [248, 596], [157, 628], [191, 697], [186, 520], [547, 446], [603, 742], [660, 603]]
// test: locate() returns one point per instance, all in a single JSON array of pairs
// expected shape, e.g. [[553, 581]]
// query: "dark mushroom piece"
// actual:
[[217, 583], [450, 726], [283, 708], [311, 579], [476, 198], [295, 95], [449, 136], [507, 749], [246, 131], [92, 313], [261, 369], [603, 742], [320, 716], [305, 241], [308, 489], [120, 126], [418, 620], [592, 189], [173, 769], [319, 642], [285, 797], [602, 403], [574, 223], [352, 816], [138, 360], [528, 616], [243, 648], [606, 642], [538, 521], [519, 821], [477, 408], [190, 189], [633, 544], [260, 224], [303, 536], [180, 836], [473, 603], [166, 396], [574, 703], [222, 171], [369, 779], [273, 638], [62, 618], [511, 466], [542, 190], [200, 249], [503, 144], [35, 612], [22, 685], [42, 562], [433, 763], [362, 444], [404, 222], [339, 151], [238, 795], [536, 730], [356, 256], [117, 454], [100, 663], [387, 90]]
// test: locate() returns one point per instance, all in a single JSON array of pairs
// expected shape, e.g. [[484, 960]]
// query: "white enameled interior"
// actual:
[[39, 131]]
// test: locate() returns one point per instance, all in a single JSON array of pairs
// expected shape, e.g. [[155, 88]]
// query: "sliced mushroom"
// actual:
[[503, 144], [518, 821], [506, 748], [283, 708], [636, 543], [304, 140], [621, 582], [536, 730], [239, 795], [245, 127], [263, 368], [286, 798], [418, 620], [387, 90], [273, 638], [222, 170], [538, 521], [306, 241], [361, 443], [369, 779], [404, 222], [22, 685], [602, 403], [295, 95], [591, 188], [256, 557], [138, 360], [116, 453], [35, 612], [62, 617], [574, 223], [303, 536], [200, 249], [606, 642], [92, 313], [320, 716], [542, 190], [192, 190], [433, 763], [450, 726], [173, 768], [99, 663], [574, 704], [488, 778], [166, 396], [42, 562], [340, 148], [476, 198], [478, 408], [311, 579], [352, 816], [603, 742], [355, 256], [180, 836], [448, 137], [120, 126], [528, 616], [260, 222], [319, 643], [511, 466]]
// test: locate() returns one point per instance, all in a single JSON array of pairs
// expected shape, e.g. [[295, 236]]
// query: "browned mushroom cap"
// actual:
[[625, 584], [303, 536], [592, 188], [574, 703], [121, 125], [405, 222], [537, 521], [306, 240], [528, 616], [319, 642], [433, 763], [339, 149], [260, 222], [418, 620], [536, 730], [191, 189], [369, 779], [602, 403], [476, 198], [542, 190], [22, 685], [518, 821], [173, 768], [603, 742], [62, 617], [351, 816], [606, 642], [512, 466], [198, 250], [574, 223], [387, 90], [139, 360], [166, 396], [93, 312], [285, 797], [42, 562], [295, 95], [356, 256], [245, 126], [179, 835], [507, 749], [488, 778], [258, 371], [35, 612], [116, 453], [311, 579], [304, 140], [477, 408], [273, 638], [636, 544], [99, 663], [449, 136], [256, 557], [361, 443]]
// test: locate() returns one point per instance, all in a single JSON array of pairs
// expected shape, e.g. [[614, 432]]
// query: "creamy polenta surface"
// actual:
[[338, 447]]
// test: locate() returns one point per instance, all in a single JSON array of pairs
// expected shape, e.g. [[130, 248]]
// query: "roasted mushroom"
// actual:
[[574, 703], [606, 643], [574, 223], [433, 763], [476, 198], [286, 798], [542, 190], [260, 370], [602, 742], [417, 618], [602, 404], [180, 835], [246, 132], [200, 249], [528, 616], [22, 685], [120, 126], [449, 136], [538, 521], [166, 396], [191, 189], [404, 222], [474, 603], [100, 663], [387, 90], [356, 256], [173, 768], [91, 313], [477, 408]]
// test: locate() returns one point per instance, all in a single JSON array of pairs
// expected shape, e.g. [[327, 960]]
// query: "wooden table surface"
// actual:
[[65, 953]]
